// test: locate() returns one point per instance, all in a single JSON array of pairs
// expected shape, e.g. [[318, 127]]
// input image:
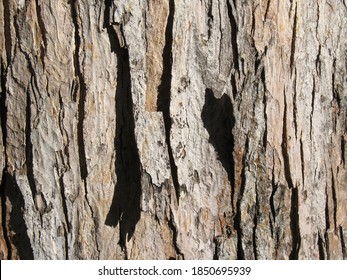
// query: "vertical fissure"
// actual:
[[174, 231], [210, 19], [294, 224], [326, 210], [215, 252], [343, 244], [294, 214], [292, 49], [234, 32], [321, 246], [318, 62], [343, 150], [253, 24], [322, 243], [313, 96], [3, 108], [82, 93], [327, 245], [267, 9], [335, 91], [17, 228], [255, 225], [29, 146], [272, 199], [284, 147], [3, 121], [302, 159], [295, 109], [125, 209], [4, 214], [7, 31], [317, 21], [66, 241], [333, 188], [265, 107], [81, 107], [63, 202], [164, 94], [238, 215], [233, 85], [43, 31], [66, 217], [112, 35], [327, 223]]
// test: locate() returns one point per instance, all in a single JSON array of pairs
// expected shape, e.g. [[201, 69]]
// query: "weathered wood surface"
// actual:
[[186, 129]]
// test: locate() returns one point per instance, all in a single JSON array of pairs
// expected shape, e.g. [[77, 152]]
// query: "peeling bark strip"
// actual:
[[112, 112], [156, 38]]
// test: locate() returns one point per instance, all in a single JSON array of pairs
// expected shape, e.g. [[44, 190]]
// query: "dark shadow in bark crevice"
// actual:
[[125, 208], [294, 225], [16, 225], [217, 116], [164, 94]]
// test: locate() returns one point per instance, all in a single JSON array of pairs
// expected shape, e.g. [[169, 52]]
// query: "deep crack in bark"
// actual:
[[238, 215], [43, 31], [313, 96], [82, 92], [7, 31], [321, 246], [3, 121], [343, 244], [294, 225], [174, 231], [29, 146], [218, 119], [255, 224], [234, 32], [17, 229], [292, 50], [295, 109], [81, 108], [125, 209], [333, 190], [284, 147], [164, 94]]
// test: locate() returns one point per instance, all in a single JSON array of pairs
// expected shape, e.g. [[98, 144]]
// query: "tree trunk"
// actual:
[[138, 129]]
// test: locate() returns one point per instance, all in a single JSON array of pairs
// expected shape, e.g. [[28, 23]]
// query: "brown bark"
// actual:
[[173, 129]]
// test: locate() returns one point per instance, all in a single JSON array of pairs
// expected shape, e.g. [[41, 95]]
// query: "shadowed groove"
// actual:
[[164, 94], [125, 208]]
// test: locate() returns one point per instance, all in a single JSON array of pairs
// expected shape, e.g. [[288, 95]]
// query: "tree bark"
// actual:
[[185, 129]]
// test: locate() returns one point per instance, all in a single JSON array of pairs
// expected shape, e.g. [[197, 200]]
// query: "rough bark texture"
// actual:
[[174, 129]]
